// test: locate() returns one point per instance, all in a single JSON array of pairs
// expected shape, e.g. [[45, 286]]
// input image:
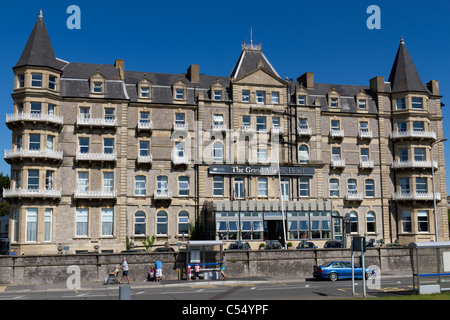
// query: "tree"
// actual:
[[4, 184]]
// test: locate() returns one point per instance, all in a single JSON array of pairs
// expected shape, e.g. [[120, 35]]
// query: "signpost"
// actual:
[[358, 244]]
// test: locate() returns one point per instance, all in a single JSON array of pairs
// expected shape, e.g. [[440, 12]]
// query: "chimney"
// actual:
[[193, 73], [377, 84], [120, 64], [307, 79], [433, 86]]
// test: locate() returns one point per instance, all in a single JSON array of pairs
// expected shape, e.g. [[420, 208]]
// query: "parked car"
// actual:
[[341, 270], [333, 244], [164, 249], [306, 245], [273, 245], [239, 245]]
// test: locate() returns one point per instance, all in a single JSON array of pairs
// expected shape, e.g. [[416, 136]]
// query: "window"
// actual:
[[52, 82], [108, 182], [406, 221], [401, 126], [404, 186], [144, 117], [145, 92], [334, 103], [107, 221], [302, 100], [218, 152], [218, 186], [50, 142], [98, 87], [419, 154], [49, 180], [418, 126], [260, 97], [179, 149], [31, 224], [285, 189], [108, 145], [401, 103], [335, 125], [334, 187], [364, 154], [179, 94], [239, 188], [262, 187], [417, 103], [403, 154], [353, 222], [110, 114], [183, 223], [304, 187], [139, 223], [48, 224], [336, 153], [36, 80], [275, 97], [35, 142], [139, 185], [370, 220], [83, 181], [303, 154], [218, 119], [245, 95], [421, 185], [351, 186], [261, 124], [362, 104], [35, 108], [144, 148], [21, 79], [218, 95], [33, 179], [85, 112], [179, 118], [162, 186], [422, 220], [303, 123], [245, 121], [161, 223], [261, 155], [83, 145], [82, 222], [363, 126], [51, 109], [183, 186], [370, 188]]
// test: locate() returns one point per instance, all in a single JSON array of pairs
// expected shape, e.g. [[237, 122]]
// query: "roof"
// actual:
[[404, 76], [437, 244], [38, 50], [248, 61]]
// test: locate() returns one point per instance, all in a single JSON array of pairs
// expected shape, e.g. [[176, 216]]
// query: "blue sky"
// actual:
[[329, 38]]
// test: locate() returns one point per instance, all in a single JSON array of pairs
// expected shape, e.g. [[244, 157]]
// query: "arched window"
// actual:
[[338, 229], [161, 223], [303, 154], [353, 222], [139, 223], [217, 151], [183, 223], [370, 220]]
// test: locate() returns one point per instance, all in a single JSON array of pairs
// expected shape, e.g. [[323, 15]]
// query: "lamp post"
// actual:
[[434, 189]]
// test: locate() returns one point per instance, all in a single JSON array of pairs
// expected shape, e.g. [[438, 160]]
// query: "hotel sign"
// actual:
[[260, 170]]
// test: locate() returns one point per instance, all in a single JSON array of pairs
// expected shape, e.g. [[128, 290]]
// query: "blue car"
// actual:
[[340, 270]]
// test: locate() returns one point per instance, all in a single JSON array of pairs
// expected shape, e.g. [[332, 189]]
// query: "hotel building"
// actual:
[[102, 156]]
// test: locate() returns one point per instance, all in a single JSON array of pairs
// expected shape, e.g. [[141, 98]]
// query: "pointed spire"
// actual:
[[404, 76], [38, 51]]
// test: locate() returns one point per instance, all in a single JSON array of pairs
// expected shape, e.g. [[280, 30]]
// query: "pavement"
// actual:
[[98, 285]]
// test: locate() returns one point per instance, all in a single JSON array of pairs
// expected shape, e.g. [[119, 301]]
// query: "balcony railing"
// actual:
[[162, 195], [277, 129], [338, 163], [180, 160], [366, 164], [304, 131], [180, 126], [96, 122], [95, 194], [413, 164], [413, 196], [354, 197], [96, 156], [145, 159], [31, 193], [26, 153], [247, 128], [336, 133], [219, 127], [38, 117], [365, 134], [413, 134], [261, 106], [145, 125]]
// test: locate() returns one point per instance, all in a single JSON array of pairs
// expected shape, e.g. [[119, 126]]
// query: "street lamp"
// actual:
[[434, 189]]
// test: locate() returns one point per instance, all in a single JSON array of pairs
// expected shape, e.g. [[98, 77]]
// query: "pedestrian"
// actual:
[[222, 266], [124, 267], [158, 266], [197, 271]]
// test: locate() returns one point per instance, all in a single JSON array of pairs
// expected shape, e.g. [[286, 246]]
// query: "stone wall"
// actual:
[[18, 270]]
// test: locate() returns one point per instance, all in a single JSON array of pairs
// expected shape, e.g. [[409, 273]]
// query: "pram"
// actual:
[[111, 278]]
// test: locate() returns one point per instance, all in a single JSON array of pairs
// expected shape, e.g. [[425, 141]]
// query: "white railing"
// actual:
[[95, 194], [145, 159], [277, 129], [354, 197], [162, 195], [366, 164], [247, 128], [180, 126], [420, 134], [219, 127], [31, 193], [338, 163], [336, 133], [304, 131], [261, 106], [180, 160], [145, 125], [96, 156], [365, 134], [43, 117], [26, 153], [414, 164], [407, 196], [102, 122]]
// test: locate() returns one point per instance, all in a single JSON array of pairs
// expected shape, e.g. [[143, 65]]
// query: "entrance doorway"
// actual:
[[273, 230]]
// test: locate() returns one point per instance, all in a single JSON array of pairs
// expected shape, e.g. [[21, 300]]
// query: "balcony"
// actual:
[[277, 129], [336, 134], [96, 156], [145, 159], [413, 164], [182, 127], [304, 132], [413, 134], [219, 128], [33, 117], [365, 135], [95, 194], [354, 197], [162, 195], [337, 163], [145, 126], [415, 196], [32, 193], [44, 154], [96, 122], [261, 106], [180, 160], [247, 129], [366, 164]]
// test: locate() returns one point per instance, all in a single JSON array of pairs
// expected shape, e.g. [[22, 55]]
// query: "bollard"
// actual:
[[125, 293]]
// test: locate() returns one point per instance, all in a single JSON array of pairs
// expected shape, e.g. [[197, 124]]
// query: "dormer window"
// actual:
[[217, 95], [145, 92], [301, 100], [36, 80], [179, 94], [334, 103], [362, 104], [98, 87]]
